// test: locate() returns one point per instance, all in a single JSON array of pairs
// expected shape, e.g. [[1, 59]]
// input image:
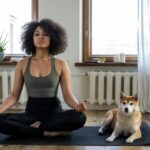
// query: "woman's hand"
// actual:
[[80, 107]]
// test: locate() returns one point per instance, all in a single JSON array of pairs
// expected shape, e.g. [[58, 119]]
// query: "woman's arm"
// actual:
[[69, 98], [13, 98]]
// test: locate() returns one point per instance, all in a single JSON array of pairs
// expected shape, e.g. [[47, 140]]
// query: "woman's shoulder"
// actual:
[[60, 61], [22, 64], [23, 61]]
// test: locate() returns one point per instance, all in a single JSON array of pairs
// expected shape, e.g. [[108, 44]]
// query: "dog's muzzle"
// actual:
[[126, 110]]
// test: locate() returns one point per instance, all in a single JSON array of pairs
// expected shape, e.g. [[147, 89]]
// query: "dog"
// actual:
[[125, 119]]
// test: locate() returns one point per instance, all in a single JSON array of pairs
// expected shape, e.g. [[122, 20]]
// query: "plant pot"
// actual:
[[2, 56]]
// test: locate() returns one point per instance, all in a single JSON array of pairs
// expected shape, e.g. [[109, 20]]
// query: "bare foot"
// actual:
[[35, 124], [57, 133]]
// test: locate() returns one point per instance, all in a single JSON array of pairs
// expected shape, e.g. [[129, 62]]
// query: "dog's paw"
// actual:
[[110, 139], [129, 140], [100, 131]]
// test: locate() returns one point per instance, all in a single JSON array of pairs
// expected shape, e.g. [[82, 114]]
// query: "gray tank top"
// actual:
[[42, 86]]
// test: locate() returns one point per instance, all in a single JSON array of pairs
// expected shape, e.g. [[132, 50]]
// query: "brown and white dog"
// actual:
[[126, 119]]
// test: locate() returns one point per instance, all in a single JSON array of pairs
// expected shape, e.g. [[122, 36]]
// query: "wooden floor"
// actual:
[[93, 119]]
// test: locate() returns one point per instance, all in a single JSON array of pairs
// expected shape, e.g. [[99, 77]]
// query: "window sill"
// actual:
[[12, 59], [109, 64], [8, 63]]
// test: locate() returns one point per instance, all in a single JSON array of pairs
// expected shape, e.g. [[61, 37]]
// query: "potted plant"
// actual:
[[3, 43]]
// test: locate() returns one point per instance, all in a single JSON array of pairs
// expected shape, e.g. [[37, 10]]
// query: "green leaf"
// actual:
[[3, 42]]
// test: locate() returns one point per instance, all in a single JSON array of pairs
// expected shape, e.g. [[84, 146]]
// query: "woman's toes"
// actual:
[[36, 124]]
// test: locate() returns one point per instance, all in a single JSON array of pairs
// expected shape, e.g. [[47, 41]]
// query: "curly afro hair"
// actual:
[[56, 31]]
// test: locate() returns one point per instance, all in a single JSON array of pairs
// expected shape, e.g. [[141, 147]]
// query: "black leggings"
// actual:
[[46, 110]]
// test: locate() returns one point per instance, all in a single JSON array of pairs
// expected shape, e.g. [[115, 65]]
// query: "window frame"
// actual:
[[87, 42], [35, 5]]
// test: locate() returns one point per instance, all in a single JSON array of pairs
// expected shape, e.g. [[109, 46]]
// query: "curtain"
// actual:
[[144, 55]]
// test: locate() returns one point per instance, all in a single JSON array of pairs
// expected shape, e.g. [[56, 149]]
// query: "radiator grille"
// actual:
[[6, 85], [105, 87]]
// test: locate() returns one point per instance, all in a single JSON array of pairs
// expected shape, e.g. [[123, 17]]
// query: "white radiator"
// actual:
[[6, 85], [105, 87]]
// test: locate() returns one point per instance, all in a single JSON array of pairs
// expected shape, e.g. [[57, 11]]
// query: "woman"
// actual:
[[42, 73]]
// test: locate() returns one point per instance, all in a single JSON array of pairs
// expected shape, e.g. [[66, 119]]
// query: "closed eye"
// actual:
[[43, 34]]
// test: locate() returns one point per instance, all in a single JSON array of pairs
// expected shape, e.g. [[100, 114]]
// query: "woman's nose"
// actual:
[[41, 36]]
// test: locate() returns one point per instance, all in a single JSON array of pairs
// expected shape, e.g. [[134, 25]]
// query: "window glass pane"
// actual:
[[114, 26], [14, 14]]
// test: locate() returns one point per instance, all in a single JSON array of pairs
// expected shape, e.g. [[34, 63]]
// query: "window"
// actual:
[[110, 29], [14, 14]]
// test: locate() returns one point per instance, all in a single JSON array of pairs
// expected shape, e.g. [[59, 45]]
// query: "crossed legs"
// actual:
[[58, 123]]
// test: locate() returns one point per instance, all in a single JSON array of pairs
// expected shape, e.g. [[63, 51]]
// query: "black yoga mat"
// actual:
[[86, 136]]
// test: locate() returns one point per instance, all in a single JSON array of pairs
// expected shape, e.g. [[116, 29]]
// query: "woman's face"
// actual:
[[41, 39]]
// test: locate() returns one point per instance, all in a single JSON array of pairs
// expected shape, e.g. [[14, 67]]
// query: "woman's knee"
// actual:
[[79, 120]]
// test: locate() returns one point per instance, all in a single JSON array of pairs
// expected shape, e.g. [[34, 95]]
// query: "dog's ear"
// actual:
[[122, 95], [136, 96]]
